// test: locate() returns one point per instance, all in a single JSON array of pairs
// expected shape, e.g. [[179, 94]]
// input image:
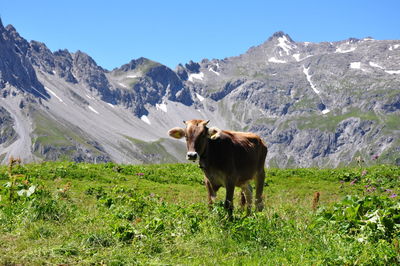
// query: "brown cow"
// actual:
[[228, 159]]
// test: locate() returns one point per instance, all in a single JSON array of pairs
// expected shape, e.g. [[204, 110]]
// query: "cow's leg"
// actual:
[[242, 199], [247, 197], [259, 189], [230, 189], [211, 192]]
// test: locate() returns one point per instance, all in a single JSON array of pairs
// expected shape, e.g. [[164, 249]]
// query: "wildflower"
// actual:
[[375, 157], [393, 195], [366, 186], [353, 182], [140, 174], [388, 190], [363, 173], [341, 181]]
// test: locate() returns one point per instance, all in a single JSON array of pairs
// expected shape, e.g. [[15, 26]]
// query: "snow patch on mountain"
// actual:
[[93, 110], [380, 67], [122, 85], [343, 51], [325, 111], [357, 65], [198, 76], [285, 44], [201, 98], [375, 65], [145, 119], [54, 94], [212, 70], [274, 60], [162, 107], [308, 76], [393, 71]]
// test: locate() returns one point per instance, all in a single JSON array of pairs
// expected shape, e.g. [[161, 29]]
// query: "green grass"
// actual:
[[330, 122], [61, 139], [142, 68], [392, 122], [304, 104], [131, 82], [48, 132], [157, 214], [153, 151]]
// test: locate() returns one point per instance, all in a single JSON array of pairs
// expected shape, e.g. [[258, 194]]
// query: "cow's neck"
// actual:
[[204, 155]]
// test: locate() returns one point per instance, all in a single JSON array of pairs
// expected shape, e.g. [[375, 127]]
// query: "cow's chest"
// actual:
[[217, 178], [214, 174]]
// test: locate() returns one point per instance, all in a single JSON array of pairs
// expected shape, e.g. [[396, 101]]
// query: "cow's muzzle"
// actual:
[[192, 156]]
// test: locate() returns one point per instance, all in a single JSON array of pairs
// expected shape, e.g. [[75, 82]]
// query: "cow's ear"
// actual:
[[214, 133], [176, 132]]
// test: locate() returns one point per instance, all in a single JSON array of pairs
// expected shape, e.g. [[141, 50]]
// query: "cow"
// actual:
[[228, 159]]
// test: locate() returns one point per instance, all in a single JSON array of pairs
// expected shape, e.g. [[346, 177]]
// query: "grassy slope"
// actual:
[[62, 140], [157, 214]]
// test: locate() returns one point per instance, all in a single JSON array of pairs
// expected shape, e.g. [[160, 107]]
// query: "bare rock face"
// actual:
[[15, 68], [145, 82], [7, 132], [75, 152], [87, 72], [315, 104]]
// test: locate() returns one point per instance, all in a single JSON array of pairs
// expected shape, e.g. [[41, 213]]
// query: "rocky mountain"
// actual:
[[315, 104]]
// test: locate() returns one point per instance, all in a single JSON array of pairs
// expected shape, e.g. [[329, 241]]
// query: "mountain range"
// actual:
[[315, 104]]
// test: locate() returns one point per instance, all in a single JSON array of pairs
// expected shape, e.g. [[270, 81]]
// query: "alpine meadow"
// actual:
[[79, 213]]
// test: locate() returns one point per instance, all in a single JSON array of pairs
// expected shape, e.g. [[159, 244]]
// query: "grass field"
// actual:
[[68, 213]]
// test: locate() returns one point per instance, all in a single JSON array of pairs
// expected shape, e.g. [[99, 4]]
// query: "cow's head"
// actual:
[[197, 134]]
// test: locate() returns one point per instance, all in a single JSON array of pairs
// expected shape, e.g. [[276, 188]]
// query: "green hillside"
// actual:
[[68, 213]]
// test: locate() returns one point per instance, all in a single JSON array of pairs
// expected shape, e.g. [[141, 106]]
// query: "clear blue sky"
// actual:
[[173, 32]]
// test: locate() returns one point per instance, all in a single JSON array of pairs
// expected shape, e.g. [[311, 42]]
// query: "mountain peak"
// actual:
[[10, 28], [280, 34], [134, 63], [83, 58]]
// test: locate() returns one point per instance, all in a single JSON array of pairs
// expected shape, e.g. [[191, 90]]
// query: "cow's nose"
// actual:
[[192, 155]]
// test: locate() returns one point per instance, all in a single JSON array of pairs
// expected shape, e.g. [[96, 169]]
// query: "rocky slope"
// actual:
[[315, 104]]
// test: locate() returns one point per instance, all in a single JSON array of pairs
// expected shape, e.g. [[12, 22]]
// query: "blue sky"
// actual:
[[173, 32]]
